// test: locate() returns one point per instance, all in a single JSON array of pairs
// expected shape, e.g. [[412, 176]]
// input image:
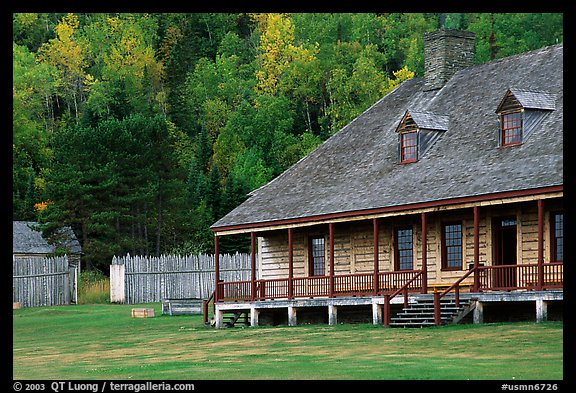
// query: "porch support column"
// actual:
[[376, 313], [541, 310], [332, 314], [375, 279], [253, 265], [540, 285], [331, 274], [216, 268], [218, 318], [476, 248], [292, 321], [478, 316], [424, 255], [290, 265], [254, 312]]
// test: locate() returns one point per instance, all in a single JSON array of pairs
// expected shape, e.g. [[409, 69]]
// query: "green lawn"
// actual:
[[103, 342]]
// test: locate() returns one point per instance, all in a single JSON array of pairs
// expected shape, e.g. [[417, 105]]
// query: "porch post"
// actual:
[[424, 255], [290, 265], [253, 265], [476, 248], [540, 285], [331, 257], [375, 279], [216, 268]]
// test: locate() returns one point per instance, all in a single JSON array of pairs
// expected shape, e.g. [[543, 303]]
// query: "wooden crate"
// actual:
[[142, 313]]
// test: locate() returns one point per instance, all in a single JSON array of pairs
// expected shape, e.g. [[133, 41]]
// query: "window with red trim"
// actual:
[[511, 127], [408, 147], [557, 238], [452, 246], [404, 251], [316, 256]]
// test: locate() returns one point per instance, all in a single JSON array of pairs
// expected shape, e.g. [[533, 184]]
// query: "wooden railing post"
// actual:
[[386, 319], [290, 266], [253, 266], [437, 314], [375, 278], [424, 255], [476, 249], [540, 285], [216, 268], [405, 297], [331, 273]]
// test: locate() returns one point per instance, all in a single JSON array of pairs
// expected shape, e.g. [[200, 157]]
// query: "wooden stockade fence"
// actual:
[[43, 281], [147, 279]]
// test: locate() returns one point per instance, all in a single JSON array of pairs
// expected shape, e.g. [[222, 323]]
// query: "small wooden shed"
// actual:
[[40, 278]]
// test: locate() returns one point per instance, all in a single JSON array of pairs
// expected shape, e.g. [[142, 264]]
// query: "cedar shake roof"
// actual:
[[430, 121], [533, 99], [358, 167], [27, 240]]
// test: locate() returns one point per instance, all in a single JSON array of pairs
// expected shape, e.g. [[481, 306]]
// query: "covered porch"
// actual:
[[484, 265]]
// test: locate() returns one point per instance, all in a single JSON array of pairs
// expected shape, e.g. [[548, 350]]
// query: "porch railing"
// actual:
[[319, 286], [520, 276], [500, 277], [505, 278]]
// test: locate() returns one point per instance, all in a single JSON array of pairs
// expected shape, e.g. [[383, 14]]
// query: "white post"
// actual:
[[332, 315], [541, 310], [479, 312], [117, 293], [291, 316], [376, 313], [218, 316], [254, 316]]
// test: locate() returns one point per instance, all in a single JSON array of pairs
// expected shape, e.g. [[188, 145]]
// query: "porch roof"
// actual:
[[358, 169]]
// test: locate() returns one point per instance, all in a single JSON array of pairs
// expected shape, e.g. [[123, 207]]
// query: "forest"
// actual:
[[141, 130]]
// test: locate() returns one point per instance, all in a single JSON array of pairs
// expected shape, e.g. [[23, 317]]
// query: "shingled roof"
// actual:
[[26, 239], [358, 168]]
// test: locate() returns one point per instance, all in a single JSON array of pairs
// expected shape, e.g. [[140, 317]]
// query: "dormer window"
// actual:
[[417, 131], [511, 128], [408, 147], [519, 111]]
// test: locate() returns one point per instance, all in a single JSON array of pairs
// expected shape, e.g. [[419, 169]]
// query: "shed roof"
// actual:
[[28, 240], [429, 121], [535, 99], [358, 168], [529, 99]]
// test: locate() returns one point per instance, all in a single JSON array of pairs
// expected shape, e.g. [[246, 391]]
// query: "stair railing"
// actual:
[[205, 304], [440, 295], [404, 290]]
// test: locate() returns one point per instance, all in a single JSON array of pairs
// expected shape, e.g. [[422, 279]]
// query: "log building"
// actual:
[[449, 187]]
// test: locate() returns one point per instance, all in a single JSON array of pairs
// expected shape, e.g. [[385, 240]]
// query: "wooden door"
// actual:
[[505, 252]]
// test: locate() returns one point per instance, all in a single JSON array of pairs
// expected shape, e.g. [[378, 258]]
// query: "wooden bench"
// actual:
[[182, 306]]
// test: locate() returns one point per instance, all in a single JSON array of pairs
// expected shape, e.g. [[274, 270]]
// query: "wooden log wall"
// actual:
[[353, 243]]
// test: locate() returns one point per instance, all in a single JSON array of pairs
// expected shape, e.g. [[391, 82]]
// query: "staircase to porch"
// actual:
[[233, 318], [420, 312]]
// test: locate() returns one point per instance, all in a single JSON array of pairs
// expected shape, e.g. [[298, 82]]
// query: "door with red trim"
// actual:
[[505, 254]]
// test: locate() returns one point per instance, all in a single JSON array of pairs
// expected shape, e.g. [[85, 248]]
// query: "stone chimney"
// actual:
[[446, 51]]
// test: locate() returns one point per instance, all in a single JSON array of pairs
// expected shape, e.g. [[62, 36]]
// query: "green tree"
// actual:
[[119, 185], [67, 53]]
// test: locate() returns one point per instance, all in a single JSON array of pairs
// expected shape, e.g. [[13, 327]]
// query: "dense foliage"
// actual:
[[141, 130]]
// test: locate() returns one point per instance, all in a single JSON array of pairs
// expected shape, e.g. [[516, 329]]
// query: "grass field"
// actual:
[[91, 342]]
